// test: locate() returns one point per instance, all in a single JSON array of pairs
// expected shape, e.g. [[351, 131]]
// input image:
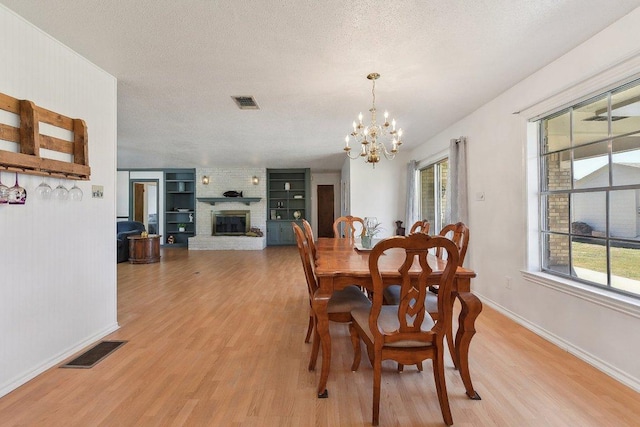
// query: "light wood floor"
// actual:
[[216, 339]]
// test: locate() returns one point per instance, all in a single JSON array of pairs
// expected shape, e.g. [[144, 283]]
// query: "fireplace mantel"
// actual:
[[213, 200]]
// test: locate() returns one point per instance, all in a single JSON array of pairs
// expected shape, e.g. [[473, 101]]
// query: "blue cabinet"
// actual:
[[180, 192], [288, 200]]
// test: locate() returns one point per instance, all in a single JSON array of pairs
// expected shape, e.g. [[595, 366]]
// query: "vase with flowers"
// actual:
[[371, 228]]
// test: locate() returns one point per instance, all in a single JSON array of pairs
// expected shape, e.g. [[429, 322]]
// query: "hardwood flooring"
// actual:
[[216, 338]]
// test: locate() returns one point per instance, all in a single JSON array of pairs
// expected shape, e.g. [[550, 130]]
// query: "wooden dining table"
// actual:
[[343, 262]]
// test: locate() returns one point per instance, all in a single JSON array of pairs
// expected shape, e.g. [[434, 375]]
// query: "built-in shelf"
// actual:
[[180, 205], [213, 200], [288, 200]]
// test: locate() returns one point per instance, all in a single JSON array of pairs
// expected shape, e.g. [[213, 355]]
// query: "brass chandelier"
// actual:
[[372, 135]]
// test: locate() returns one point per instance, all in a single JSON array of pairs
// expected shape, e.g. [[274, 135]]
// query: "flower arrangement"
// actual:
[[371, 227]]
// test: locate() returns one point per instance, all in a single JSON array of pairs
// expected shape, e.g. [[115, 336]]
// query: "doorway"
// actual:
[[144, 204], [325, 210]]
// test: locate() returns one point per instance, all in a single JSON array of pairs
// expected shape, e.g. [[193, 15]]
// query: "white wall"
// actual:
[[122, 195], [602, 331], [379, 192], [58, 259]]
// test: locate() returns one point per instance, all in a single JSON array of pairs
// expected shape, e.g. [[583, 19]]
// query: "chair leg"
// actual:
[[355, 341], [452, 348], [377, 374], [441, 386], [315, 349], [309, 329]]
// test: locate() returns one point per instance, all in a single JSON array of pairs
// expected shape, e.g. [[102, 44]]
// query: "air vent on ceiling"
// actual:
[[604, 118], [246, 102]]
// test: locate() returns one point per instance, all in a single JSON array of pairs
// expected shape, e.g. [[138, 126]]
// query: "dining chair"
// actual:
[[406, 332], [340, 304], [308, 234], [348, 224], [421, 226], [459, 234]]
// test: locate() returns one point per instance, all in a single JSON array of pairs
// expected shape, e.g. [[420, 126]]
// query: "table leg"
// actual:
[[459, 285], [320, 302], [449, 336], [471, 308]]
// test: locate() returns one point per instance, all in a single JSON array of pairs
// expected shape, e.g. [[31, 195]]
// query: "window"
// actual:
[[433, 184], [590, 191]]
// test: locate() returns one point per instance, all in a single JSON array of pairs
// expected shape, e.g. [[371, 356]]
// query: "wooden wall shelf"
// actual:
[[213, 200], [29, 140]]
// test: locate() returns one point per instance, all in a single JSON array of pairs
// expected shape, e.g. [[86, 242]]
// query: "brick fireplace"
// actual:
[[221, 180]]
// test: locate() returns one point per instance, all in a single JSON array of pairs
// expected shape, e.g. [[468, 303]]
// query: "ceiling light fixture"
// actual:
[[368, 135]]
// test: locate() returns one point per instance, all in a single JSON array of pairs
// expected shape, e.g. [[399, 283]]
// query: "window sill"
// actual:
[[620, 303]]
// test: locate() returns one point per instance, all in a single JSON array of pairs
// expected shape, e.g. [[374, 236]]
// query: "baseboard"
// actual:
[[592, 360], [55, 360]]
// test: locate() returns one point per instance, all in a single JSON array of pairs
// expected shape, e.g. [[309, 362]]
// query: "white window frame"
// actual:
[[431, 161], [617, 75]]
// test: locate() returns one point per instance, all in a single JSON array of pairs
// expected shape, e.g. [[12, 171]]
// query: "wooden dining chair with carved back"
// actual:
[[349, 227], [340, 304], [459, 234], [405, 332], [421, 226], [308, 234]]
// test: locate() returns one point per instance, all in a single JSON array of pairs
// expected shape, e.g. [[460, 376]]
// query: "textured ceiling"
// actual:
[[179, 62]]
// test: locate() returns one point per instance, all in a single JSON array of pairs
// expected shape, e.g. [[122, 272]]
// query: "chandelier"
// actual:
[[371, 136]]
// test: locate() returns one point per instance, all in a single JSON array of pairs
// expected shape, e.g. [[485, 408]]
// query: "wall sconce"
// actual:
[[255, 180], [205, 179]]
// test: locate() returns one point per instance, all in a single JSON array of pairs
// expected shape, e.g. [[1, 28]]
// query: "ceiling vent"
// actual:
[[246, 102]]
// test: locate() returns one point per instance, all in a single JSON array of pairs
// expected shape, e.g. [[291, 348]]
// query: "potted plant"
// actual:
[[182, 227]]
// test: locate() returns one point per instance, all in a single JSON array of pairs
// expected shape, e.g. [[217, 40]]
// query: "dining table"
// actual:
[[342, 262]]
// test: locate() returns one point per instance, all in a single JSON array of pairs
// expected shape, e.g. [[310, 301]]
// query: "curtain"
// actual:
[[457, 203], [412, 199]]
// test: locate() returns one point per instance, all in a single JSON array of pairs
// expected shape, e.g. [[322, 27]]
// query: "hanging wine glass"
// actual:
[[60, 192], [75, 193], [44, 190], [17, 194], [4, 192]]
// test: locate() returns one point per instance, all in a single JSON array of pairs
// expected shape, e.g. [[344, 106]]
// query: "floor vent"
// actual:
[[94, 355]]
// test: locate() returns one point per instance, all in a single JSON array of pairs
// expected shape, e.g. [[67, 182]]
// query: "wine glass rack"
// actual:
[[27, 159]]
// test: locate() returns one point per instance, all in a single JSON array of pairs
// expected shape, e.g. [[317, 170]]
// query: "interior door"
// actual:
[[138, 203], [325, 210]]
